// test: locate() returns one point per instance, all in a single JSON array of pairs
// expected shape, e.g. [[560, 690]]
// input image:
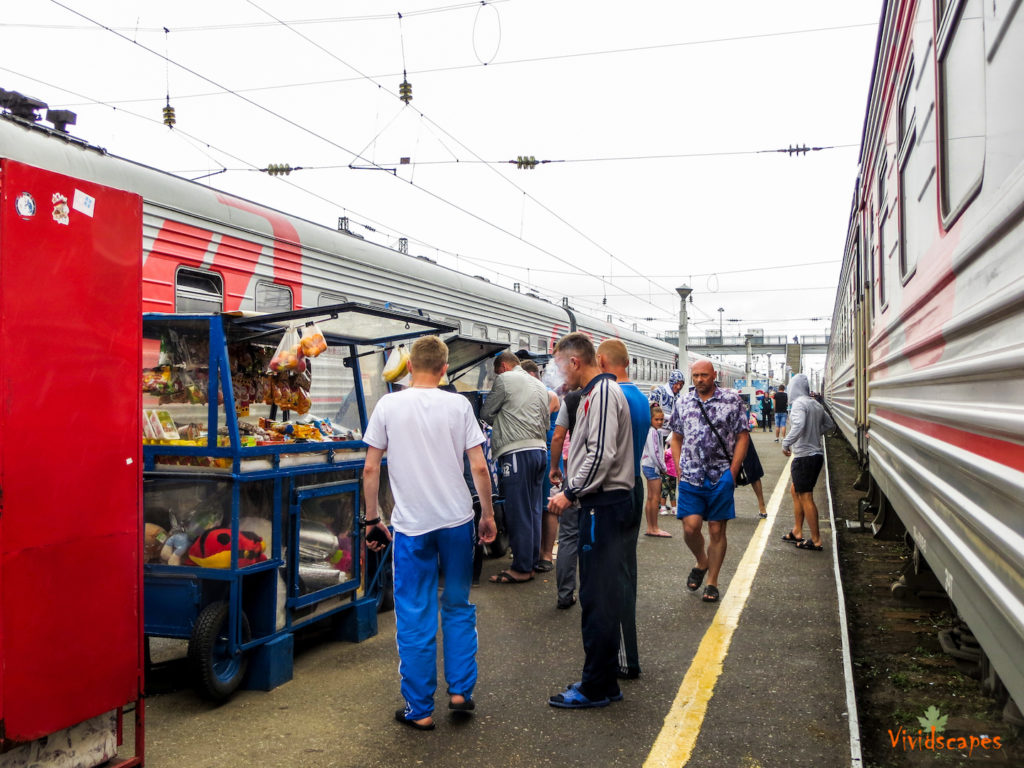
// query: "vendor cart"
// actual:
[[251, 484]]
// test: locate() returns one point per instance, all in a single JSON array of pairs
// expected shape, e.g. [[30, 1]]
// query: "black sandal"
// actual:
[[695, 579], [808, 544], [791, 538], [710, 594]]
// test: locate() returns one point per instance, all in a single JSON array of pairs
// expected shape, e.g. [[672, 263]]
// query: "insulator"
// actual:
[[169, 120], [405, 91], [279, 169]]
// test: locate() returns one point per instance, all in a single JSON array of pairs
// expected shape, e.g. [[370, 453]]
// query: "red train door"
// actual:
[[70, 577]]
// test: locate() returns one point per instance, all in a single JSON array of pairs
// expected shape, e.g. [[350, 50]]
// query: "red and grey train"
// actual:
[[205, 250], [925, 364]]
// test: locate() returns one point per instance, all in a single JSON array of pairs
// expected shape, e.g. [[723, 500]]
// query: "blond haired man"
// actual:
[[425, 432]]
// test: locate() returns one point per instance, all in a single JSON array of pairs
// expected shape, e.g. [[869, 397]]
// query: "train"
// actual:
[[204, 250], [924, 366]]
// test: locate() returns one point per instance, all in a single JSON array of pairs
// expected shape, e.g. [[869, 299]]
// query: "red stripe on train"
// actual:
[[1004, 452]]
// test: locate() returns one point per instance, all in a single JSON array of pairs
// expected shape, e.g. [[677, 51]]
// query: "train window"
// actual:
[[883, 299], [961, 106], [911, 165], [504, 335], [326, 299], [883, 169], [480, 331], [524, 341], [198, 291], [271, 297]]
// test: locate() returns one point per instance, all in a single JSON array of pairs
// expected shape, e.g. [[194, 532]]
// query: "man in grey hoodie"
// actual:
[[807, 423]]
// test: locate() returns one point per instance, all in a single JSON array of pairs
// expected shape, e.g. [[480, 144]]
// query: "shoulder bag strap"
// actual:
[[714, 431]]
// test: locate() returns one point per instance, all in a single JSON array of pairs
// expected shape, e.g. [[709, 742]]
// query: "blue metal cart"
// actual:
[[252, 511]]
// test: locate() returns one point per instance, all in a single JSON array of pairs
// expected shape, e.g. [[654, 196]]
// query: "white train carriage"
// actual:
[[924, 372]]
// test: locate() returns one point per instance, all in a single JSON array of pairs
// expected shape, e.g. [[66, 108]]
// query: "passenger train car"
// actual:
[[924, 370], [205, 250]]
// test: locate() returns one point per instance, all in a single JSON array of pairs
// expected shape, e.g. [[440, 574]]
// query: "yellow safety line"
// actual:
[[675, 742]]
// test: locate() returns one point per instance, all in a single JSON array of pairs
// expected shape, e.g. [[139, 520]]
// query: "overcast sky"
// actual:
[[655, 116]]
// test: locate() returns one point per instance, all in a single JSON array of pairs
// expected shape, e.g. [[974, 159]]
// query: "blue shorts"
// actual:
[[780, 419], [651, 473], [713, 502]]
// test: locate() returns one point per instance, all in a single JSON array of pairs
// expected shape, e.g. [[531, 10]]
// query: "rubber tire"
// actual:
[[216, 675]]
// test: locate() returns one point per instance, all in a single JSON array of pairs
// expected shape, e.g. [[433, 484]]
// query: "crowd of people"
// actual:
[[589, 464]]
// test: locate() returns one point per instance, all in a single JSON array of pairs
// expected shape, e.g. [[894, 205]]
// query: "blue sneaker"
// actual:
[[571, 698], [614, 697]]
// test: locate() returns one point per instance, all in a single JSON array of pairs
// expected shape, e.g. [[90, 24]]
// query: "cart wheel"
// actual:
[[217, 673]]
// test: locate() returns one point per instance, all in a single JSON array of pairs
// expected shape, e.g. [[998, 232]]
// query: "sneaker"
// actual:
[[566, 602]]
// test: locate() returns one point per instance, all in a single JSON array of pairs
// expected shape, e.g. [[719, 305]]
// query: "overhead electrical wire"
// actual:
[[335, 144], [468, 149]]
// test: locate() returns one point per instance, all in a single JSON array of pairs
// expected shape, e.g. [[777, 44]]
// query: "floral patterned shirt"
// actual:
[[701, 456]]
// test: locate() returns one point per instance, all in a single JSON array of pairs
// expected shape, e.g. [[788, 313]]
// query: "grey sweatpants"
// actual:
[[568, 552]]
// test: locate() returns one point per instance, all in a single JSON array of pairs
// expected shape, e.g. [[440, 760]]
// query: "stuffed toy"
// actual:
[[174, 548], [156, 535], [213, 549]]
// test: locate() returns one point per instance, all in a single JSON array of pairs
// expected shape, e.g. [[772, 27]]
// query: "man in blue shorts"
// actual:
[[710, 435], [781, 411]]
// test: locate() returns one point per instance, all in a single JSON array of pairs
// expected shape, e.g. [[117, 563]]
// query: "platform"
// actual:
[[779, 700]]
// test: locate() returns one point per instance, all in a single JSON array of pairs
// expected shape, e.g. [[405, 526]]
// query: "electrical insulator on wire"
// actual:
[[405, 90], [278, 169], [529, 163], [169, 120]]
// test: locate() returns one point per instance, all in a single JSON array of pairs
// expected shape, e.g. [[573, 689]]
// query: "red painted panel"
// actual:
[[287, 248], [70, 461], [176, 244]]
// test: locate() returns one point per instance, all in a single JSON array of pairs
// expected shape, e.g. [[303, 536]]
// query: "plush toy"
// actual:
[[174, 548], [213, 549], [155, 537]]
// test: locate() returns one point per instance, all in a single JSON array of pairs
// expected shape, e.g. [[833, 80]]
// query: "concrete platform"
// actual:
[[755, 681]]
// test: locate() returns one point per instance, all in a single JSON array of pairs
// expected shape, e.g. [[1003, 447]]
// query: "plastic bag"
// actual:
[[312, 342], [397, 364], [289, 355]]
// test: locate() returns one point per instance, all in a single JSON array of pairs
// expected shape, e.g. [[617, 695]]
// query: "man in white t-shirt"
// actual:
[[425, 432]]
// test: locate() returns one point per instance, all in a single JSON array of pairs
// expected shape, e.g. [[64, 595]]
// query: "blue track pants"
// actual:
[[416, 561]]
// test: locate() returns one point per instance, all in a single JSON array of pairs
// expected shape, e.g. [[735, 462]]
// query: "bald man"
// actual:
[[710, 435]]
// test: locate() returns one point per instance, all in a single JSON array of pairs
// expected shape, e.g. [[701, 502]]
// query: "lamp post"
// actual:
[[684, 292], [769, 369], [720, 311]]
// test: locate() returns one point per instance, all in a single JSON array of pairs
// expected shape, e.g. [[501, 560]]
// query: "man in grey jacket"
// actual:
[[807, 423], [517, 408], [599, 477]]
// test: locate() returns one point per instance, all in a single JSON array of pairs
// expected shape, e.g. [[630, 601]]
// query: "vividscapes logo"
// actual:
[[928, 737]]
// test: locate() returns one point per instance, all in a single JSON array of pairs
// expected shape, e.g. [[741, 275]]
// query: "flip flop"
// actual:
[[662, 535], [710, 594], [504, 577], [791, 538], [808, 544], [467, 705], [400, 717], [695, 579], [544, 566]]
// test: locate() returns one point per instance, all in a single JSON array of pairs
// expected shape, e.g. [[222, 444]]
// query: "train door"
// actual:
[[862, 333], [70, 528]]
